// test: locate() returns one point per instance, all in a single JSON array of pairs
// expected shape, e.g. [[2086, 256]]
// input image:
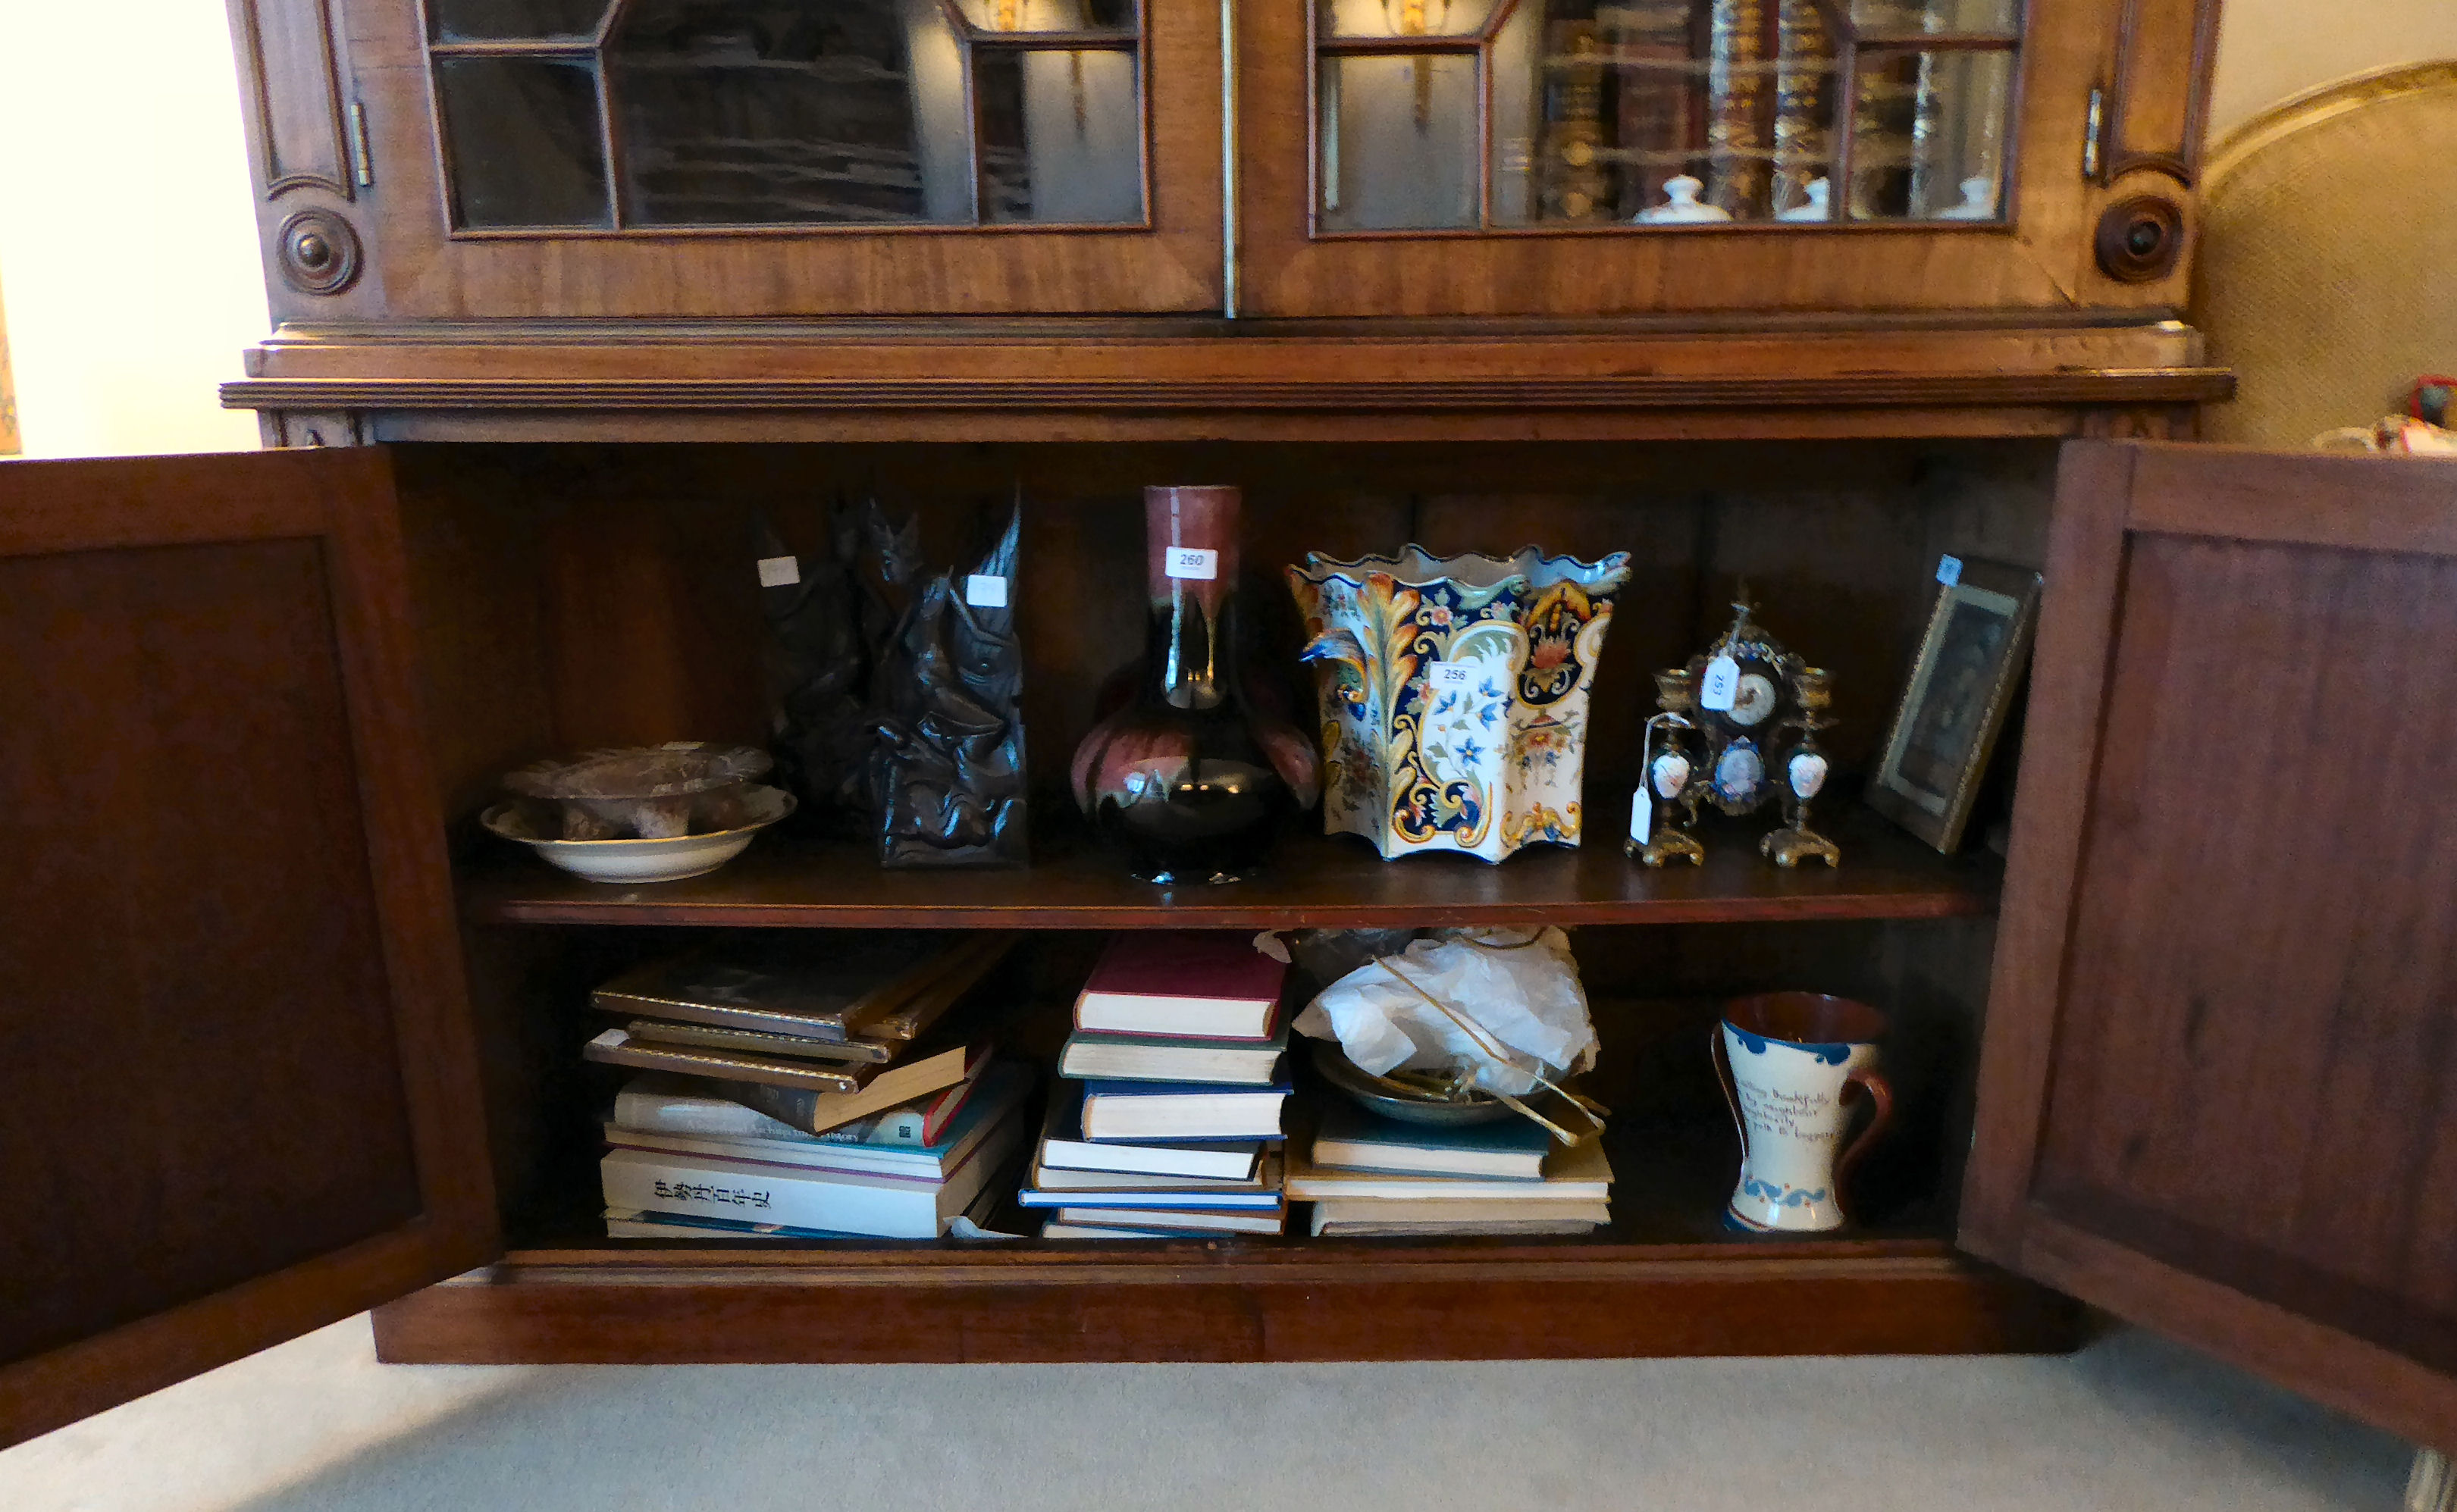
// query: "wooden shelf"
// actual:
[[1666, 1279], [1314, 882]]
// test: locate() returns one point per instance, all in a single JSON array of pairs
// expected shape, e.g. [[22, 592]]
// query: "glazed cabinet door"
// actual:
[[2219, 1085], [239, 1098], [539, 159], [1569, 157]]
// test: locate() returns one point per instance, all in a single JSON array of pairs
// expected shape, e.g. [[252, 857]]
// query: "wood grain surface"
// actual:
[[240, 1089], [2216, 1092]]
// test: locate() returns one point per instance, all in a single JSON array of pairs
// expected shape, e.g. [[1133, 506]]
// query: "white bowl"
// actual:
[[645, 860]]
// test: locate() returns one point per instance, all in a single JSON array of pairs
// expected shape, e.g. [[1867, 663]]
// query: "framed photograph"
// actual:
[[1978, 641]]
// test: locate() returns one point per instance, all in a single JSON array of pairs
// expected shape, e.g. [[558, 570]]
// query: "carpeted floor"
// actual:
[[318, 1426]]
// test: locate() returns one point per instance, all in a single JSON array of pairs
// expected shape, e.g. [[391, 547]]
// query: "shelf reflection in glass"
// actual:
[[1592, 110], [1903, 17], [1058, 138], [524, 140], [1928, 136], [1398, 137], [1049, 15], [500, 20], [1402, 18], [741, 112]]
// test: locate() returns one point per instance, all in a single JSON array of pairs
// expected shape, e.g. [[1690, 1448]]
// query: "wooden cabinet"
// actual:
[[270, 692], [662, 159]]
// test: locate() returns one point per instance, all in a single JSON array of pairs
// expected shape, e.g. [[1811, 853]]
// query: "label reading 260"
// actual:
[[1193, 562]]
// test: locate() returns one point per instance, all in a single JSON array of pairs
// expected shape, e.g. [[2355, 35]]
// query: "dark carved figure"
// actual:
[[897, 700]]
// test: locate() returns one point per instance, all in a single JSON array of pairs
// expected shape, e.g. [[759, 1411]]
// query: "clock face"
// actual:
[[1753, 700]]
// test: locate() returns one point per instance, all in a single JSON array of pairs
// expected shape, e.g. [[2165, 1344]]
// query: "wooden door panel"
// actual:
[[239, 1098], [2219, 1082]]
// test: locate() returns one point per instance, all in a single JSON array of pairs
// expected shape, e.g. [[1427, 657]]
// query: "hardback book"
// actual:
[[661, 1102], [1165, 1110], [974, 1222], [1062, 1144], [818, 1112], [1398, 1220], [1170, 1057], [1063, 1178], [1350, 1139], [1740, 149], [1055, 1230], [1260, 1196], [1577, 1173], [761, 1042], [1177, 1220], [631, 1223], [1433, 1212], [1660, 122], [797, 1197], [1185, 984], [880, 985], [878, 1086], [1003, 1087]]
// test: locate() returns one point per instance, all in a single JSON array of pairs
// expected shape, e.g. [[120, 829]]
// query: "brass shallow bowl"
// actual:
[[1376, 1094]]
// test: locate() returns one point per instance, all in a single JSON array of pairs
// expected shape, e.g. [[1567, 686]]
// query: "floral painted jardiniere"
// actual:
[[1454, 694]]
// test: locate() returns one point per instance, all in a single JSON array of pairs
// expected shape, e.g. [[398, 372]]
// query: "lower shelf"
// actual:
[[1293, 1300]]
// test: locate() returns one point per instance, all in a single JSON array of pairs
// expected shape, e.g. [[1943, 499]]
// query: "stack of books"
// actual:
[[1166, 1120], [1369, 1175], [795, 1092]]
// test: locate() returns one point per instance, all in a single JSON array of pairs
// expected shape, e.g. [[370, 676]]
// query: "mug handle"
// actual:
[[1881, 1093], [1731, 1093]]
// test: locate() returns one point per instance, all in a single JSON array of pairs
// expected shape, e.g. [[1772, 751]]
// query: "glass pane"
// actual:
[[1049, 15], [1597, 117], [1928, 139], [1402, 18], [495, 20], [1908, 17], [746, 112], [525, 147], [1399, 142], [1060, 136]]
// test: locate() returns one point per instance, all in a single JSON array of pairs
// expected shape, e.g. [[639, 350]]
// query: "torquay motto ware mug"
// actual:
[[1454, 694], [1790, 1063]]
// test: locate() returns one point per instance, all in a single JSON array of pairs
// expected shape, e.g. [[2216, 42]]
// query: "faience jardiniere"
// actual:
[[1454, 694]]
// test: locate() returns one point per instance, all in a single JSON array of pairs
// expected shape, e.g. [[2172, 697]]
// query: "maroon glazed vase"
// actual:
[[1192, 781]]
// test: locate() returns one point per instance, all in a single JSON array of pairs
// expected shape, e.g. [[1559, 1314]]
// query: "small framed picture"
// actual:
[[1978, 641]]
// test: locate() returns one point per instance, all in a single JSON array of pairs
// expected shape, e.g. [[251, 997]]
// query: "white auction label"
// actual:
[[1642, 814], [1949, 570], [1451, 674], [1722, 684], [1200, 563], [984, 590], [779, 572]]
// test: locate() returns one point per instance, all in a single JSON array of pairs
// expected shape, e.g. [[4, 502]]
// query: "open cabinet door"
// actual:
[[239, 1098], [2218, 1089]]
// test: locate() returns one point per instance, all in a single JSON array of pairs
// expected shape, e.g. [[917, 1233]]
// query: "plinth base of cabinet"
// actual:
[[1293, 1301]]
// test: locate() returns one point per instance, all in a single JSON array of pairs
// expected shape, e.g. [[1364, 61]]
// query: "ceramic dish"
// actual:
[[645, 792], [1378, 1096], [669, 860]]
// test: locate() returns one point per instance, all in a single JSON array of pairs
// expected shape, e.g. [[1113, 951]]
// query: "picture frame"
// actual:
[[1972, 658]]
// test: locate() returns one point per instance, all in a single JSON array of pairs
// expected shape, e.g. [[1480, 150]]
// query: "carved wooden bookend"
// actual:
[[895, 694]]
